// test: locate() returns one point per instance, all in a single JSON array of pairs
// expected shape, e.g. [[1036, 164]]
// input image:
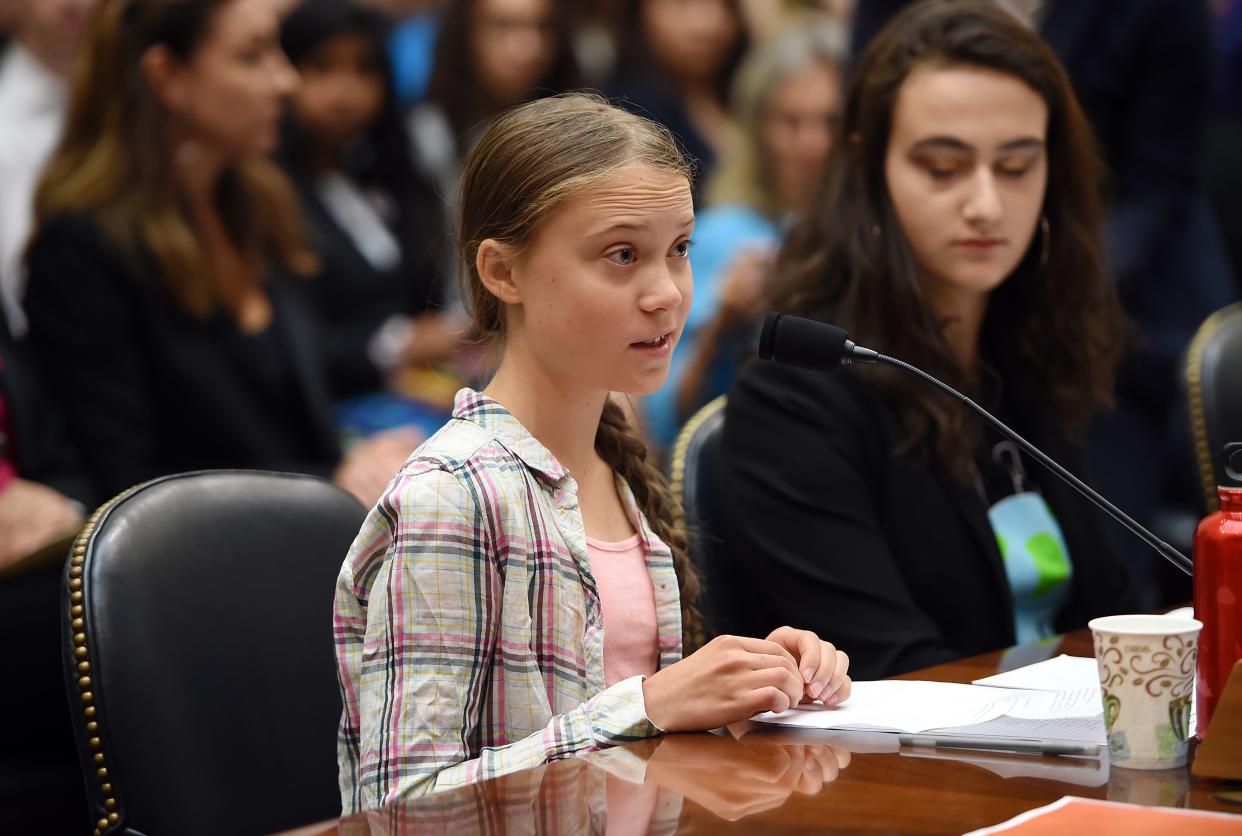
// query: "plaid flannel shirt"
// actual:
[[469, 636]]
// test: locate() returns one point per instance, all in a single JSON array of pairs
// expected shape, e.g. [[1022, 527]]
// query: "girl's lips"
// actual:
[[660, 345]]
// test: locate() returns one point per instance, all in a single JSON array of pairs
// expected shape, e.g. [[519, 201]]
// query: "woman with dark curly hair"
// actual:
[[958, 227]]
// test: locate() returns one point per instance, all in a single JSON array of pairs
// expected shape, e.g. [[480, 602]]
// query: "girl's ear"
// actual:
[[160, 70], [494, 264]]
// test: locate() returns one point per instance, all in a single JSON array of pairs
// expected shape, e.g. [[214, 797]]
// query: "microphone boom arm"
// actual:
[[858, 354]]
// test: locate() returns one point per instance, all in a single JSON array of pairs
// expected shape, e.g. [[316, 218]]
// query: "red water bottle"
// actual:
[[1218, 588]]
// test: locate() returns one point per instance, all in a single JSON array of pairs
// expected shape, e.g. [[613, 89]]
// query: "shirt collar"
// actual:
[[469, 405]]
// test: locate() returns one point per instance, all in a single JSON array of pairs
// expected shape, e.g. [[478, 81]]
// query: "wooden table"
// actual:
[[757, 780]]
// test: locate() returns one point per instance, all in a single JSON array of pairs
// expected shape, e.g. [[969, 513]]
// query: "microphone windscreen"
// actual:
[[804, 343]]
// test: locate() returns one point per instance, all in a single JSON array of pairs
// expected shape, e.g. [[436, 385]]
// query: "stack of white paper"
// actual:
[[1064, 673], [915, 707]]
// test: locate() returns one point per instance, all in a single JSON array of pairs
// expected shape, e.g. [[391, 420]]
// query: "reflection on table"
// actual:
[[754, 778]]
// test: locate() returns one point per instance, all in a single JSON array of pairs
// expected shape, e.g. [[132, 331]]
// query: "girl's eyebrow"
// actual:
[[954, 144], [635, 226]]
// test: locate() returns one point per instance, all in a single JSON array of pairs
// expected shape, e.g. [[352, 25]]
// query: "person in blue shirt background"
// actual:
[[785, 101]]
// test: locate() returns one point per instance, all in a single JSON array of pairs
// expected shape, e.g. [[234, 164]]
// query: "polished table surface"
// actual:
[[759, 779]]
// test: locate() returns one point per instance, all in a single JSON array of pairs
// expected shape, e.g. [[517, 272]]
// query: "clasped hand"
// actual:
[[732, 678]]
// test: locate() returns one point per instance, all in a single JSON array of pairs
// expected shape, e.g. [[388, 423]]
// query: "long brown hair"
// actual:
[[1053, 329], [528, 161], [115, 162], [454, 84]]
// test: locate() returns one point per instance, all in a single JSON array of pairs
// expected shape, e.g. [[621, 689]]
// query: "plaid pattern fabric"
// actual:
[[469, 636], [567, 797]]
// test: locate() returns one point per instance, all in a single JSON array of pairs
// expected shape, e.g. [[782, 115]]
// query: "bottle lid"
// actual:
[[1231, 458]]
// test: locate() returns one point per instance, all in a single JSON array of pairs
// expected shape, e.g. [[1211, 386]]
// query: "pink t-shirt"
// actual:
[[631, 646]]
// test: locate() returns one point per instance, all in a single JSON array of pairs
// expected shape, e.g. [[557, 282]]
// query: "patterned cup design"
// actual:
[[1147, 668]]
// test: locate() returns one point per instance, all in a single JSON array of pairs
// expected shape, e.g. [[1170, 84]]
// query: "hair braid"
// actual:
[[621, 447]]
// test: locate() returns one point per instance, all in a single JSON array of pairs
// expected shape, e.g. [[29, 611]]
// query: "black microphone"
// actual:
[[807, 344]]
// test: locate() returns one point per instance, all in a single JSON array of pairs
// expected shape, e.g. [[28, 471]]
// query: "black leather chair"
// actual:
[[198, 652], [725, 605], [1213, 378]]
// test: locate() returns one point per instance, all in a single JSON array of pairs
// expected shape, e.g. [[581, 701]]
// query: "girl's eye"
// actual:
[[941, 172], [623, 256], [1013, 171], [682, 248]]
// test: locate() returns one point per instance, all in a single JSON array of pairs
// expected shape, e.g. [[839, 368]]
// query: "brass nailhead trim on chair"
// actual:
[[1198, 415], [77, 612], [682, 446]]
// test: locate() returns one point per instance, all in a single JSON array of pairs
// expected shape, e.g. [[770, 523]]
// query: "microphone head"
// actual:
[[804, 343]]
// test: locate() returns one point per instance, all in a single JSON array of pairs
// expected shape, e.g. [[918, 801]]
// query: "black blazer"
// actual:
[[354, 299], [148, 389], [35, 440], [884, 555]]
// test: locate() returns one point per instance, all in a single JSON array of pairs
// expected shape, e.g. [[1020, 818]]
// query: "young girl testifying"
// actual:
[[522, 591]]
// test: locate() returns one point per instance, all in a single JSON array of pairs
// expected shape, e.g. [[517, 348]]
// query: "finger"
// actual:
[[842, 756], [804, 646], [781, 641], [810, 654], [829, 766], [842, 694], [766, 654], [826, 677], [778, 677], [767, 698], [838, 680], [811, 781], [796, 763], [770, 765]]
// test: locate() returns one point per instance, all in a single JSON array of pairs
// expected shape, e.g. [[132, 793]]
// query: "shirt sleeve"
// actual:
[[423, 673]]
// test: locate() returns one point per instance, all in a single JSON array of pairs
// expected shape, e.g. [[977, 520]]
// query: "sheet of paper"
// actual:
[[913, 706], [1066, 729], [1078, 675], [1061, 673], [899, 705]]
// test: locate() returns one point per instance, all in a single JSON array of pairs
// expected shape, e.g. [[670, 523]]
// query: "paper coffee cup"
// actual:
[[1147, 674]]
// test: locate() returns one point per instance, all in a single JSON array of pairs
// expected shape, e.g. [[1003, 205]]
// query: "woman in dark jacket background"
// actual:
[[959, 228], [165, 303]]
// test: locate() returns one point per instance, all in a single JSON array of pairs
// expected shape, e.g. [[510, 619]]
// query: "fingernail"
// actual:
[[829, 697], [817, 688], [807, 673]]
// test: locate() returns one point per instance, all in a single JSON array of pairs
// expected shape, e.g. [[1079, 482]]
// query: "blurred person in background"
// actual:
[[377, 225], [411, 44], [765, 18], [787, 103], [34, 83], [677, 63], [166, 283], [41, 788], [1222, 164], [490, 55], [40, 487], [1142, 70]]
